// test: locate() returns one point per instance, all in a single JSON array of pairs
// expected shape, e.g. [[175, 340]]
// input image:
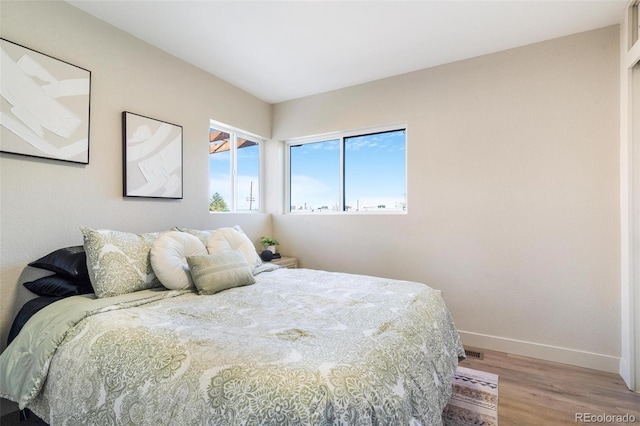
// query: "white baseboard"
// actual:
[[591, 360]]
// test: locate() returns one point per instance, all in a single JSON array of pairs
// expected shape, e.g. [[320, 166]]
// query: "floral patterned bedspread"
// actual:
[[298, 347]]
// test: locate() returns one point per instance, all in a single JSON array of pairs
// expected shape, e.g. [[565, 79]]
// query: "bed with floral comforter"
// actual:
[[297, 347]]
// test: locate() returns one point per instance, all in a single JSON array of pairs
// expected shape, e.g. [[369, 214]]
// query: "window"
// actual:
[[234, 170], [315, 176], [349, 172]]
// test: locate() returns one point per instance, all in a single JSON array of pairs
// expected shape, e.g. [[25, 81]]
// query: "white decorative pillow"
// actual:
[[216, 272], [202, 235], [118, 262], [169, 258], [225, 239]]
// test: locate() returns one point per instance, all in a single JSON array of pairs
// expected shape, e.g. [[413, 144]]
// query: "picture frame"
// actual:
[[152, 157], [44, 105]]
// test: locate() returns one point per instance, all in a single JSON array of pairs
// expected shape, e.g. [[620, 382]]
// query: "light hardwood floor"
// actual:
[[535, 392]]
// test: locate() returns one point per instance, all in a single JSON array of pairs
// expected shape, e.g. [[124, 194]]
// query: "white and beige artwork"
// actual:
[[152, 157], [44, 105]]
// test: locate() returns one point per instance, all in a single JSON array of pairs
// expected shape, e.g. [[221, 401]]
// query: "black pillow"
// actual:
[[68, 261], [60, 286], [27, 311]]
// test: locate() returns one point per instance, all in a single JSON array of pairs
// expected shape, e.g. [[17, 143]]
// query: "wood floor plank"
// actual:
[[536, 392]]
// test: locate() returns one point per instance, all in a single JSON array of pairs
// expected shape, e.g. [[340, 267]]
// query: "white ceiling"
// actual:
[[281, 50]]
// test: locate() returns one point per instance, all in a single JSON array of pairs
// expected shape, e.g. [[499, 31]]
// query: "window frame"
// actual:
[[341, 136], [234, 135]]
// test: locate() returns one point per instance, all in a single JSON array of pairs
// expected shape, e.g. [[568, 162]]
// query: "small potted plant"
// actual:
[[269, 244]]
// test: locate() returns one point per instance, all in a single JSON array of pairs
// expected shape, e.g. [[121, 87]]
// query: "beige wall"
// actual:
[[43, 203], [513, 194]]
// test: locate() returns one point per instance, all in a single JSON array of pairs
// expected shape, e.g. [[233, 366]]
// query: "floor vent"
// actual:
[[474, 354]]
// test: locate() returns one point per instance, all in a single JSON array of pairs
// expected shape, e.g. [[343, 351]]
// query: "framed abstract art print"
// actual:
[[44, 105], [152, 151]]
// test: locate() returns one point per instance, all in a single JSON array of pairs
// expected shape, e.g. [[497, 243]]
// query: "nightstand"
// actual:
[[286, 262]]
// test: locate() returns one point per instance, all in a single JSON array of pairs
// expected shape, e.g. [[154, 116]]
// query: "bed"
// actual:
[[295, 346]]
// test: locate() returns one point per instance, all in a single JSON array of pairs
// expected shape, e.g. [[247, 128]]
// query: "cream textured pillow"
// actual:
[[118, 262], [216, 272], [169, 258], [225, 239]]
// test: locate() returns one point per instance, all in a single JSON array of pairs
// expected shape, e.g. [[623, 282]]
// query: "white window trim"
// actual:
[[235, 134], [324, 137]]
